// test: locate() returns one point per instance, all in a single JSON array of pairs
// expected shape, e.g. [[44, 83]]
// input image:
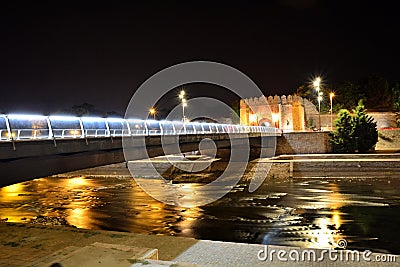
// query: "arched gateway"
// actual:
[[287, 113]]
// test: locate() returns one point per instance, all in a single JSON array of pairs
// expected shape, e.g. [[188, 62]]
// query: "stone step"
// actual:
[[160, 263], [98, 254], [351, 169]]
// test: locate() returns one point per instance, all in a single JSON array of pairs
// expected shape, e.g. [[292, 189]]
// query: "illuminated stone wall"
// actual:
[[293, 113], [285, 112]]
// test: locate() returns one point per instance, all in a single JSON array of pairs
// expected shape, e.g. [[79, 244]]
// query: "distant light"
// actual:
[[152, 111], [253, 118], [13, 135], [75, 132], [275, 117], [317, 82], [331, 95], [319, 98]]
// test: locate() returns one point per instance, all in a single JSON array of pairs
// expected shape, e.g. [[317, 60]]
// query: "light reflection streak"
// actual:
[[326, 236]]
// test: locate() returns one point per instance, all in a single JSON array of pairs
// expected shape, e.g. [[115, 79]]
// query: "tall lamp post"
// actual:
[[184, 104], [153, 112], [331, 95], [317, 83]]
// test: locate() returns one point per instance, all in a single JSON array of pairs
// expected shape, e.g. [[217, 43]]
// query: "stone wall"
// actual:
[[318, 142], [388, 140], [303, 143], [383, 119]]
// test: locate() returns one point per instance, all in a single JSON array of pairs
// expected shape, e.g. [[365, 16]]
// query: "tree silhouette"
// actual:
[[354, 133], [342, 139], [365, 131]]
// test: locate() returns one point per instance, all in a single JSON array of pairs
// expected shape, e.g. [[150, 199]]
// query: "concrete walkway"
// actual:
[[37, 245], [212, 253]]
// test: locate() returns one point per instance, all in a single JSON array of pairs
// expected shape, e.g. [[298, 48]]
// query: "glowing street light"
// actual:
[[184, 104], [153, 112], [331, 96], [275, 119], [253, 119], [317, 84]]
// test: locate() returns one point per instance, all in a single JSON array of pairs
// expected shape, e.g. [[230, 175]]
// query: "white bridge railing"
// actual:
[[33, 127]]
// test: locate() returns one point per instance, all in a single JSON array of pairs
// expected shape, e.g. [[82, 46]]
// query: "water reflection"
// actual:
[[312, 213]]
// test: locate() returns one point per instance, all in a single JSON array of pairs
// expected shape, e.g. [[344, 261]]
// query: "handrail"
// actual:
[[115, 128]]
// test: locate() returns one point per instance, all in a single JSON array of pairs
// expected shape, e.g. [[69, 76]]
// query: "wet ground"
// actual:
[[307, 213]]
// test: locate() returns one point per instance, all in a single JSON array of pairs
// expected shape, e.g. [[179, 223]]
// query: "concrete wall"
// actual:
[[303, 143], [388, 140], [318, 142]]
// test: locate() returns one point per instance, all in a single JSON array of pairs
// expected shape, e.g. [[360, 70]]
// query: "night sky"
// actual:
[[60, 53]]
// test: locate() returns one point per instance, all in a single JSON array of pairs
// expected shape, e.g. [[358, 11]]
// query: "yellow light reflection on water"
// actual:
[[336, 218], [161, 218], [79, 217], [78, 214], [76, 181], [327, 236], [14, 188], [13, 194]]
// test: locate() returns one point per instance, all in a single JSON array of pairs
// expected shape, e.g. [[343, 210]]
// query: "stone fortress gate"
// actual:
[[294, 113], [288, 113]]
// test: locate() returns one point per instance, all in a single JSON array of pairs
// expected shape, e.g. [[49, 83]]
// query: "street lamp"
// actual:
[[275, 119], [153, 112], [331, 95], [316, 84], [253, 119], [184, 104]]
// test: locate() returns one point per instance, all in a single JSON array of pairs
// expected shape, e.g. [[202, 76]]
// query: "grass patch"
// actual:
[[37, 246], [116, 235], [89, 234], [143, 262], [12, 244]]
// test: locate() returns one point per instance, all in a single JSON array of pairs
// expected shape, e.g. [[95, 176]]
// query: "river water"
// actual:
[[308, 212]]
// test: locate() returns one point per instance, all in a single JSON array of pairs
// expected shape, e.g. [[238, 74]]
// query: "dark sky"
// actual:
[[60, 53]]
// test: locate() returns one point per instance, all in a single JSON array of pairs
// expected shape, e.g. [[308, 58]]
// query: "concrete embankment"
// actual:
[[282, 168], [363, 166]]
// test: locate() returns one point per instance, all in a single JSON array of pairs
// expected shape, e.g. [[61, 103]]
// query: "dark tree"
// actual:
[[305, 91], [357, 133], [343, 138], [395, 90], [347, 95], [84, 109], [377, 93], [365, 131]]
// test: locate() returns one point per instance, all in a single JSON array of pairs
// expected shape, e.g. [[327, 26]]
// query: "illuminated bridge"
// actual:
[[37, 146]]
